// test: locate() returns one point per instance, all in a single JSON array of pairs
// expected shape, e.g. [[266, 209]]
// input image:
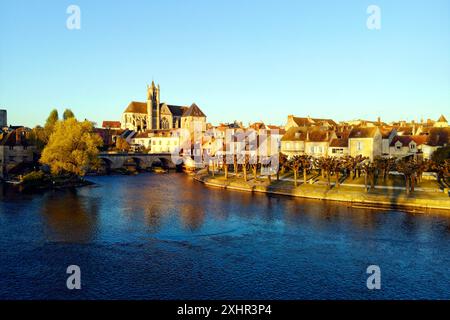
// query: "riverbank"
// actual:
[[419, 201], [44, 183]]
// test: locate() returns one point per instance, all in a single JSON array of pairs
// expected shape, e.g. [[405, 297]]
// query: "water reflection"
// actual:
[[69, 217], [151, 231]]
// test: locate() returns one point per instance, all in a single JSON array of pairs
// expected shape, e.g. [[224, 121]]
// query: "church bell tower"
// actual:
[[153, 106]]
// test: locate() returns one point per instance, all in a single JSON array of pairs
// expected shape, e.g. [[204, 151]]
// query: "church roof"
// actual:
[[177, 110], [136, 107], [442, 118], [194, 111]]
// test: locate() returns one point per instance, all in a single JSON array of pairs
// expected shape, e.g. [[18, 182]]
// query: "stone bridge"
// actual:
[[141, 160]]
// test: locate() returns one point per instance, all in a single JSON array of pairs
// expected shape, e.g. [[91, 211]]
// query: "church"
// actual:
[[154, 115]]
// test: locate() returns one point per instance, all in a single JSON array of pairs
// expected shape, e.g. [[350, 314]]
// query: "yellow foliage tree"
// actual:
[[72, 148]]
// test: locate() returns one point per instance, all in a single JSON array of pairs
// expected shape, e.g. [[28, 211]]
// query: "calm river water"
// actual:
[[169, 237]]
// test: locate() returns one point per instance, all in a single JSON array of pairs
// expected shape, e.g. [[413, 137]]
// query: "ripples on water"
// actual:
[[168, 237]]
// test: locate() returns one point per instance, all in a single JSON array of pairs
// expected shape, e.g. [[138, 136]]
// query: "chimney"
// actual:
[[328, 135], [307, 135], [379, 120]]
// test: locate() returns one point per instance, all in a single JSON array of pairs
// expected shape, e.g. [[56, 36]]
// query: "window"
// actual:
[[412, 146], [359, 145], [288, 145], [165, 123], [338, 150]]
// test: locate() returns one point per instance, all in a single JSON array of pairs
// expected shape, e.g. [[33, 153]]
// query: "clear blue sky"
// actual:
[[247, 60]]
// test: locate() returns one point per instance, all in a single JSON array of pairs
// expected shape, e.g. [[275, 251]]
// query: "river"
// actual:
[[168, 237]]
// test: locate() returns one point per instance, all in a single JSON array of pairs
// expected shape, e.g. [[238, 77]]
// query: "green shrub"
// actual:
[[34, 177]]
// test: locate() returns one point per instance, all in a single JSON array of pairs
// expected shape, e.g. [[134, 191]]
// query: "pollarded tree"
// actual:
[[409, 169], [295, 164], [225, 165], [72, 148], [305, 163], [368, 168], [384, 165], [283, 164]]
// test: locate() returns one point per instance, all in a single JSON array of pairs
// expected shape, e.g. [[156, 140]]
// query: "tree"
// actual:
[[295, 164], [225, 164], [369, 169], [72, 148], [336, 166], [38, 137], [325, 165], [283, 163], [409, 168], [305, 163], [441, 154], [253, 160], [68, 114], [52, 119], [122, 145], [384, 165]]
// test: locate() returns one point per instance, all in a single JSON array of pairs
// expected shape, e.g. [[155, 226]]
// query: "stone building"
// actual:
[[365, 141], [154, 115], [14, 150]]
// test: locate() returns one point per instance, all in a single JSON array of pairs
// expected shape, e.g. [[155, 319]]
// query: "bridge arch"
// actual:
[[105, 165]]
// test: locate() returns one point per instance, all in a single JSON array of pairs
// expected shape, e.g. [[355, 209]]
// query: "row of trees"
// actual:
[[342, 168]]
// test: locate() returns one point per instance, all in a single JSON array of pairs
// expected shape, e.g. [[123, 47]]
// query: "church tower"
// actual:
[[153, 107]]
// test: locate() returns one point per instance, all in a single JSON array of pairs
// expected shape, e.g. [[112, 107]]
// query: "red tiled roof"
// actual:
[[111, 124]]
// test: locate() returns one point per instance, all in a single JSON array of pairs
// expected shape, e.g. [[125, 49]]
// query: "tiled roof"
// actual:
[[363, 132], [194, 111], [341, 143], [404, 140], [386, 132], [305, 122], [14, 138], [442, 118], [177, 110], [419, 139], [111, 124], [294, 134]]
